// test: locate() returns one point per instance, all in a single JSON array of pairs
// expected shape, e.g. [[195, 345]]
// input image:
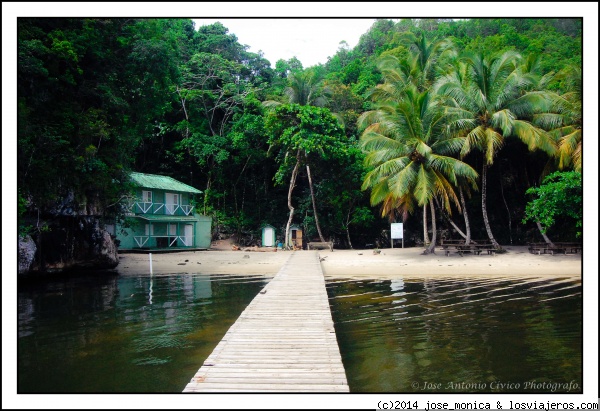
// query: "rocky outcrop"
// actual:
[[72, 242]]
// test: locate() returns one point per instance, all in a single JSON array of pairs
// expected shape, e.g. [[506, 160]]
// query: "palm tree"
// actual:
[[411, 160], [566, 121], [426, 56], [486, 101], [418, 69], [304, 88]]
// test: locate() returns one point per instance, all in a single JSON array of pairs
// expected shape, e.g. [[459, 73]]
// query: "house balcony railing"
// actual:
[[163, 241], [147, 207], [162, 209]]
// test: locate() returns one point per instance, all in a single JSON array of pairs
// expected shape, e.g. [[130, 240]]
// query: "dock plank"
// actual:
[[284, 341]]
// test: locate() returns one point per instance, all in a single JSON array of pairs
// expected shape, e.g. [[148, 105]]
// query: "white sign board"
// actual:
[[397, 231]]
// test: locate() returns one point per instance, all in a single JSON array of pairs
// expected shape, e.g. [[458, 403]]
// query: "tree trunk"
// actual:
[[348, 229], [314, 204], [508, 212], [431, 248], [425, 233], [291, 208], [206, 193], [484, 208], [546, 238], [466, 215], [449, 220]]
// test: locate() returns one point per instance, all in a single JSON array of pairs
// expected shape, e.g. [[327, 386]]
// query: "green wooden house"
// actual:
[[162, 216]]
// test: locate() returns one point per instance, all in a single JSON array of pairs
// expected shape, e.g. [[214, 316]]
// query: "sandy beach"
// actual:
[[389, 264]]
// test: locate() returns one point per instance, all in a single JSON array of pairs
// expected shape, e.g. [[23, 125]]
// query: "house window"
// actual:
[[146, 196], [149, 229]]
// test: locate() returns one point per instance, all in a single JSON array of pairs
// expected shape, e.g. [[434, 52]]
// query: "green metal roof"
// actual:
[[162, 183], [167, 218]]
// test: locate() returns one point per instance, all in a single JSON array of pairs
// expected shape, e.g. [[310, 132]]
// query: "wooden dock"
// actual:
[[284, 341]]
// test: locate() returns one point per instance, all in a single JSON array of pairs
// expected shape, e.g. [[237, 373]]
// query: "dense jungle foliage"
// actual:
[[455, 120]]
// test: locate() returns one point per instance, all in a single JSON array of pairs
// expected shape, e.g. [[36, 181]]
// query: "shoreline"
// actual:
[[391, 263]]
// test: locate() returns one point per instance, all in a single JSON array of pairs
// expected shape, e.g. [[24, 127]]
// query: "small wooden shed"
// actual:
[[268, 236], [295, 238]]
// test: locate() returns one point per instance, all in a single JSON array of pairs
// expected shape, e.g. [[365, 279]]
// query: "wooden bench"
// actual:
[[562, 248], [320, 245], [543, 248], [570, 248]]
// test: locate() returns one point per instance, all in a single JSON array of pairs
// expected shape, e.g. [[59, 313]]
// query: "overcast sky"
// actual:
[[312, 41]]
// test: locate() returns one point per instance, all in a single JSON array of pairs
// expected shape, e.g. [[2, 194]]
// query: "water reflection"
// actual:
[[107, 333], [400, 335]]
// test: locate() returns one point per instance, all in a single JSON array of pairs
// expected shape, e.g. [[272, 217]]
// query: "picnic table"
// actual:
[[475, 246], [320, 245]]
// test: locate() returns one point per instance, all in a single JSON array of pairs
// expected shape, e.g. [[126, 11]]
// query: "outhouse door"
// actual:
[[268, 237]]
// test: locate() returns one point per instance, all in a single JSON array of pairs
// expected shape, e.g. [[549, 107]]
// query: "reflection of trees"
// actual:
[[444, 330], [555, 351], [102, 334]]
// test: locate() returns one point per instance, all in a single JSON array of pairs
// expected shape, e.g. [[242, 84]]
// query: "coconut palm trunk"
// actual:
[[314, 203], [486, 221], [431, 248], [425, 229], [466, 215]]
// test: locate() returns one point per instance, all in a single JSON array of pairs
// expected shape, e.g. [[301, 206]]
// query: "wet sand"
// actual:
[[389, 264]]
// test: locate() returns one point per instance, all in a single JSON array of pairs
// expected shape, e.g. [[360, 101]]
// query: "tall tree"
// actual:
[[411, 160], [486, 103], [298, 133], [88, 91], [305, 88], [413, 70], [211, 92]]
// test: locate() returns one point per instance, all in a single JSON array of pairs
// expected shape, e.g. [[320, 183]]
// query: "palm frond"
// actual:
[[493, 142], [503, 120], [402, 183], [446, 192], [476, 139], [424, 188], [548, 121], [534, 137], [569, 150], [271, 104]]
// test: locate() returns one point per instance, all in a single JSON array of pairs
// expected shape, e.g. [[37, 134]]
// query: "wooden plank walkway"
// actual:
[[284, 341]]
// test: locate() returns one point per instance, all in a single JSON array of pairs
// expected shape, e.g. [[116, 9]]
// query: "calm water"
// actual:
[[108, 333], [448, 335]]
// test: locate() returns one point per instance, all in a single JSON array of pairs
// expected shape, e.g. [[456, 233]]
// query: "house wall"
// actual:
[[159, 197], [203, 232], [126, 236]]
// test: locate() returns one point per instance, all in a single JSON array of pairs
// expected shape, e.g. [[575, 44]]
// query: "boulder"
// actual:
[[27, 250]]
